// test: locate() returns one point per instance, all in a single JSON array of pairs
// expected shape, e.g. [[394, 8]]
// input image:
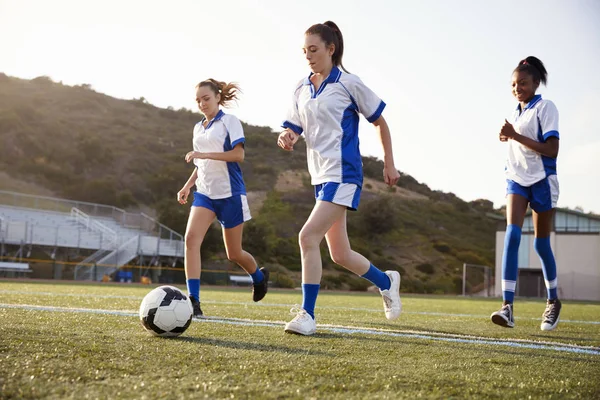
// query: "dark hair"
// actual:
[[228, 91], [330, 34], [534, 67]]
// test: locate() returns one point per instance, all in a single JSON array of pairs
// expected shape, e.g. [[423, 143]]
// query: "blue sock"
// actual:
[[309, 297], [542, 247], [378, 278], [193, 286], [257, 276], [510, 262]]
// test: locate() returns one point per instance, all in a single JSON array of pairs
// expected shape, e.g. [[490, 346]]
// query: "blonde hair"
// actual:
[[229, 91]]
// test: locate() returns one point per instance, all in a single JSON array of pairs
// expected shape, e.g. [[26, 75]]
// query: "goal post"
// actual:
[[477, 280]]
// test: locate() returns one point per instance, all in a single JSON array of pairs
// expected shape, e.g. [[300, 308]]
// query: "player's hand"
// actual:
[[189, 157], [507, 132], [287, 139], [183, 194], [390, 175]]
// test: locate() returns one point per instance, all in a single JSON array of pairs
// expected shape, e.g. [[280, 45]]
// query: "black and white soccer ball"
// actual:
[[166, 311]]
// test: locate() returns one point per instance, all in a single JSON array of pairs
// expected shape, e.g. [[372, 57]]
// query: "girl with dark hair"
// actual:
[[325, 110], [532, 138], [218, 143]]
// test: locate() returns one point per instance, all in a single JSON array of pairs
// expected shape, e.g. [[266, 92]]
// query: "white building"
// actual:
[[575, 240]]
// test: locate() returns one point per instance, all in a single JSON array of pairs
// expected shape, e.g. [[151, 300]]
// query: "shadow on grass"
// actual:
[[236, 344]]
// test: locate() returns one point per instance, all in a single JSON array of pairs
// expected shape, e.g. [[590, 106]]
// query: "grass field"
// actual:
[[85, 341]]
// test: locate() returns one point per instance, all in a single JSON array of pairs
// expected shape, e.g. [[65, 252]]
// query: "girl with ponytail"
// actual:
[[218, 143], [531, 134], [325, 111]]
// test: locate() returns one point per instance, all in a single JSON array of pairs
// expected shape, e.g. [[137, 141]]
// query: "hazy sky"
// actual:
[[442, 67]]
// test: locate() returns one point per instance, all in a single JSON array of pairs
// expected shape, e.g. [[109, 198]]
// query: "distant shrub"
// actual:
[[425, 268], [359, 284], [442, 247], [283, 281], [378, 216]]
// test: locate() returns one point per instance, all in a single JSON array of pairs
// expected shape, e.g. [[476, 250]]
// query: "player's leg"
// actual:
[[232, 238], [516, 206], [198, 223], [544, 203], [322, 217], [341, 253]]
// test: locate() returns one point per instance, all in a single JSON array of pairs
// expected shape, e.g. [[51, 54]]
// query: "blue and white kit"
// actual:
[[529, 173], [328, 119], [220, 185]]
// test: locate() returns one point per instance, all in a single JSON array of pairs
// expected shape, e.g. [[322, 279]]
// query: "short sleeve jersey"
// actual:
[[538, 120], [328, 119], [218, 179]]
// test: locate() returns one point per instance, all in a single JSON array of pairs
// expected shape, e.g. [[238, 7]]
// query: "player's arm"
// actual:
[[183, 194], [390, 173], [549, 148], [235, 155]]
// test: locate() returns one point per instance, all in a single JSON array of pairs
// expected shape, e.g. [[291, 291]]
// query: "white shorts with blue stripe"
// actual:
[[343, 194]]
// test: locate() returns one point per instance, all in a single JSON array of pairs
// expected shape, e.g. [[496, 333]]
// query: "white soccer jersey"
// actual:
[[328, 120], [218, 179], [537, 121]]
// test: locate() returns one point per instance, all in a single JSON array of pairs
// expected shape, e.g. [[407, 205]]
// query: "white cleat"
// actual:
[[392, 305], [302, 324]]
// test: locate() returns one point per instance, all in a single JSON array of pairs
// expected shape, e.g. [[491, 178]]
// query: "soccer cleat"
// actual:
[[196, 307], [392, 305], [551, 315], [302, 324], [504, 316], [259, 290]]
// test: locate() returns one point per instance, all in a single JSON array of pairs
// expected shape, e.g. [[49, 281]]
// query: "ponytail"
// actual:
[[535, 67], [229, 91], [330, 34]]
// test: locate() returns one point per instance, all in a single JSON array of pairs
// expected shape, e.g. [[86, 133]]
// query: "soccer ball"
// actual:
[[166, 311]]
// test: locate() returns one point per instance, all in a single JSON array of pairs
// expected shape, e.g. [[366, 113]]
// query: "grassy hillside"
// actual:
[[76, 143]]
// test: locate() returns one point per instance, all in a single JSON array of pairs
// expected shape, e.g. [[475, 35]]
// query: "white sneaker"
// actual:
[[392, 305], [302, 324]]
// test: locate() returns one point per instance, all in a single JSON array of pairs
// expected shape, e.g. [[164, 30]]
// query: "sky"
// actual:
[[442, 67]]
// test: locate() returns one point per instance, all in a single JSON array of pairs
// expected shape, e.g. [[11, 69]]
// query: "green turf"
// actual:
[[45, 354]]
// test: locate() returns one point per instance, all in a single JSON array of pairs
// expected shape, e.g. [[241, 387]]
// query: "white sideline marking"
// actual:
[[261, 304], [444, 337]]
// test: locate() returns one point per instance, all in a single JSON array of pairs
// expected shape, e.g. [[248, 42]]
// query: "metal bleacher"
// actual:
[[116, 236]]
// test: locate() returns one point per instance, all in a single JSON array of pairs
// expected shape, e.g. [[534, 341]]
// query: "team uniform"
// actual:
[[532, 176], [529, 173], [328, 119], [220, 185]]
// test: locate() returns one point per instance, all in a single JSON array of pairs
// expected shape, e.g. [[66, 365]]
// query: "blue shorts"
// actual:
[[230, 211], [343, 194], [542, 195]]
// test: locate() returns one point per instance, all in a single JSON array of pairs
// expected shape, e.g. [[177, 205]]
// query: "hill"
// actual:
[[75, 143]]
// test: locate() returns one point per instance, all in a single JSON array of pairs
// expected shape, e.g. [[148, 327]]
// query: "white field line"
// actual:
[[261, 304], [411, 334]]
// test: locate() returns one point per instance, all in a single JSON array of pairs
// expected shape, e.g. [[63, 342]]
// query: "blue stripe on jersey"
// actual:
[[240, 140], [549, 162], [351, 160], [377, 113], [297, 129], [235, 173]]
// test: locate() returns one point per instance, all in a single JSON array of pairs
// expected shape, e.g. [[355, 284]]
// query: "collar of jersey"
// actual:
[[216, 118], [333, 77], [532, 103]]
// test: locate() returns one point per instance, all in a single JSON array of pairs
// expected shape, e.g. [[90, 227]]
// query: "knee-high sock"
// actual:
[[309, 297], [193, 286], [378, 278], [542, 247], [510, 262]]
